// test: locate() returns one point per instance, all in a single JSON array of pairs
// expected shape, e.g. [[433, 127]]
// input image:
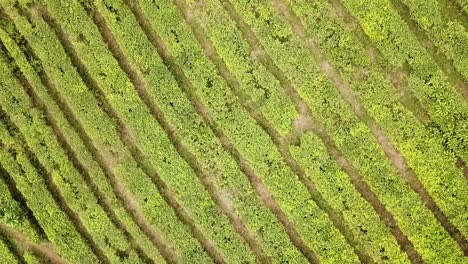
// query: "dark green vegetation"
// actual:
[[233, 131]]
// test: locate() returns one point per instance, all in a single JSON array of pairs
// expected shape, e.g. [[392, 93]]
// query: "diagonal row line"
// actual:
[[157, 113], [154, 235], [45, 252], [55, 191], [188, 88], [389, 149], [79, 166]]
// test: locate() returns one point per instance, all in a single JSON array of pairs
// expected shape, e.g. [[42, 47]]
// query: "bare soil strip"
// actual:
[[389, 149], [44, 251], [398, 77], [316, 127], [130, 205], [308, 122], [79, 166], [169, 197], [454, 77], [12, 246], [56, 194], [117, 187], [188, 88], [462, 164], [18, 196], [454, 10], [141, 88]]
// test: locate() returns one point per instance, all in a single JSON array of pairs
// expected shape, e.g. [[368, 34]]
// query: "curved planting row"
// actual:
[[148, 208], [46, 92], [431, 98], [239, 127], [196, 136], [15, 214], [448, 34], [69, 183], [432, 86], [350, 135], [7, 254], [232, 131], [199, 211], [223, 32], [425, 156], [31, 253], [14, 211], [62, 234]]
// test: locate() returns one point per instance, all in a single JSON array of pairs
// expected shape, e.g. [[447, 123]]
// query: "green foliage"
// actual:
[[317, 230], [335, 185], [197, 136], [79, 148], [57, 226], [6, 256], [422, 150], [103, 131], [13, 215], [449, 35], [349, 134], [173, 170], [446, 107], [99, 111], [74, 190]]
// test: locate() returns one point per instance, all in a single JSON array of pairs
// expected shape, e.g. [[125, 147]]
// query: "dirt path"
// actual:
[[454, 77], [42, 250], [389, 149], [19, 198], [398, 77], [304, 123], [462, 164], [58, 197], [54, 191], [130, 205], [260, 188], [79, 166], [221, 200], [186, 85]]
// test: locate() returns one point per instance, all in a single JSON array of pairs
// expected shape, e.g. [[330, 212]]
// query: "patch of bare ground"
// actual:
[[399, 80], [462, 165], [130, 205], [389, 149], [302, 124], [44, 251], [157, 113]]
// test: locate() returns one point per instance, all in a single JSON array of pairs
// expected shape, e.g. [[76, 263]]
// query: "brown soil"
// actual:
[[389, 149], [45, 251], [141, 87], [130, 205], [462, 164], [454, 77], [345, 91]]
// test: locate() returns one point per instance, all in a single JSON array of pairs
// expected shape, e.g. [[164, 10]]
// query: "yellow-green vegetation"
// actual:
[[233, 131]]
